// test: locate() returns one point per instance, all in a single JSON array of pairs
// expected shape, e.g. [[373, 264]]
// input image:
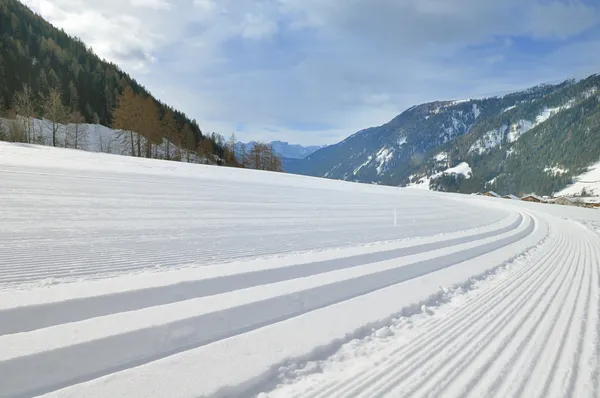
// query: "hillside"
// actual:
[[535, 140], [38, 60]]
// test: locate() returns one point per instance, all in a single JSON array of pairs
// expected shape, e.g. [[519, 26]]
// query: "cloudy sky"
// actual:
[[316, 71]]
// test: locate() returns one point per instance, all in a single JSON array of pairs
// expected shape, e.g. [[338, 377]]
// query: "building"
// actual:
[[533, 198], [511, 196], [565, 201], [491, 194]]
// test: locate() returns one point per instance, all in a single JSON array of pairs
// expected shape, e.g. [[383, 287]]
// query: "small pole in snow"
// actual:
[[395, 221]]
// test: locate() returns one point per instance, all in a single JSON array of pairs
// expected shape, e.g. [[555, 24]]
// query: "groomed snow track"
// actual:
[[128, 277]]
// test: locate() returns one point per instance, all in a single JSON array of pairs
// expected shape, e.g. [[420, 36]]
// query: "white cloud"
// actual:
[[258, 27], [154, 4], [315, 71]]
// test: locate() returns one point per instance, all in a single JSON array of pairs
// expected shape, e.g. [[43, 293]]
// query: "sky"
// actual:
[[313, 72]]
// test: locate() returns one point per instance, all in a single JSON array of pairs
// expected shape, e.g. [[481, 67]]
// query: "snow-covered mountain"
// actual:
[[510, 144], [285, 149]]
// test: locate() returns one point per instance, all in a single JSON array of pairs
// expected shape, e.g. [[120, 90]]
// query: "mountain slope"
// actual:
[[34, 52], [533, 140], [283, 149]]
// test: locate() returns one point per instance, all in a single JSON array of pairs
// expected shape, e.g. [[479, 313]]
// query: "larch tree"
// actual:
[[54, 111], [189, 140], [125, 117], [25, 105], [231, 149], [243, 156], [170, 130], [78, 130], [150, 124]]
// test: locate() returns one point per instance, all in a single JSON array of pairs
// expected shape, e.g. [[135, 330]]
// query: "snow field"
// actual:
[[130, 277], [534, 334]]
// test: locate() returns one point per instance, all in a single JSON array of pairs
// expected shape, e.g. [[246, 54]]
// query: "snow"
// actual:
[[124, 276], [94, 138], [518, 129], [490, 139], [590, 92], [547, 113], [461, 101], [402, 140], [494, 138], [476, 111], [362, 165], [441, 157], [555, 170], [509, 108], [383, 157], [423, 182], [462, 168], [590, 181]]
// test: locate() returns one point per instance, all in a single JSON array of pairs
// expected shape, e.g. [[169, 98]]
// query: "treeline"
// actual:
[[260, 157], [29, 106], [52, 64]]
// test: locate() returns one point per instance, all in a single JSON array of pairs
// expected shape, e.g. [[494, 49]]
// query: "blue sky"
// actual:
[[316, 71]]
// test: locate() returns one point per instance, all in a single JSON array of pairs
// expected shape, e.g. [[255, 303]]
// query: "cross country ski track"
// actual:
[[130, 277]]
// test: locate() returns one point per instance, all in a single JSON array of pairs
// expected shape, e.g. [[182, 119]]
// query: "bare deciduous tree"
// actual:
[[170, 131], [262, 157], [54, 111], [25, 105], [77, 131]]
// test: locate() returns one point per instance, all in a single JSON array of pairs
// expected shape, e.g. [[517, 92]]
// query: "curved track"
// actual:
[[259, 269], [535, 334]]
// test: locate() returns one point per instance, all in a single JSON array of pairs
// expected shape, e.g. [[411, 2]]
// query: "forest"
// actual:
[[47, 74]]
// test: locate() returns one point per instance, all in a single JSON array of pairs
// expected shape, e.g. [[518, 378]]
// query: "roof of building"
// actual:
[[494, 194], [565, 198], [531, 195], [511, 196]]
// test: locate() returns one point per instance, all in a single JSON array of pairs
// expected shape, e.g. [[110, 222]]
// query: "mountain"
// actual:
[[534, 140], [47, 60], [284, 149]]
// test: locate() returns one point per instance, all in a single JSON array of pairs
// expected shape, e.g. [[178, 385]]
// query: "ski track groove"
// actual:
[[478, 341], [489, 345], [519, 363], [533, 332], [438, 327], [517, 230]]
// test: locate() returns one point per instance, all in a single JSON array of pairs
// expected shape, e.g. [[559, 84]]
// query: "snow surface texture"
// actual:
[[124, 277]]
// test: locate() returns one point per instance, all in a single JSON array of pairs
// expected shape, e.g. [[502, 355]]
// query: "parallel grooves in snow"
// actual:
[[60, 366], [536, 334], [44, 315], [211, 325]]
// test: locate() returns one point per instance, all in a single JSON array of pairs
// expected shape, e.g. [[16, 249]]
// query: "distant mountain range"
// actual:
[[284, 149], [534, 140]]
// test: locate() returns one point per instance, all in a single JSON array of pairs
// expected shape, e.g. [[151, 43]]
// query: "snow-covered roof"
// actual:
[[531, 195], [494, 194], [511, 196]]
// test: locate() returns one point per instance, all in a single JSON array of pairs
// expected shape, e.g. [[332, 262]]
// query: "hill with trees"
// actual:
[[47, 74], [535, 140]]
